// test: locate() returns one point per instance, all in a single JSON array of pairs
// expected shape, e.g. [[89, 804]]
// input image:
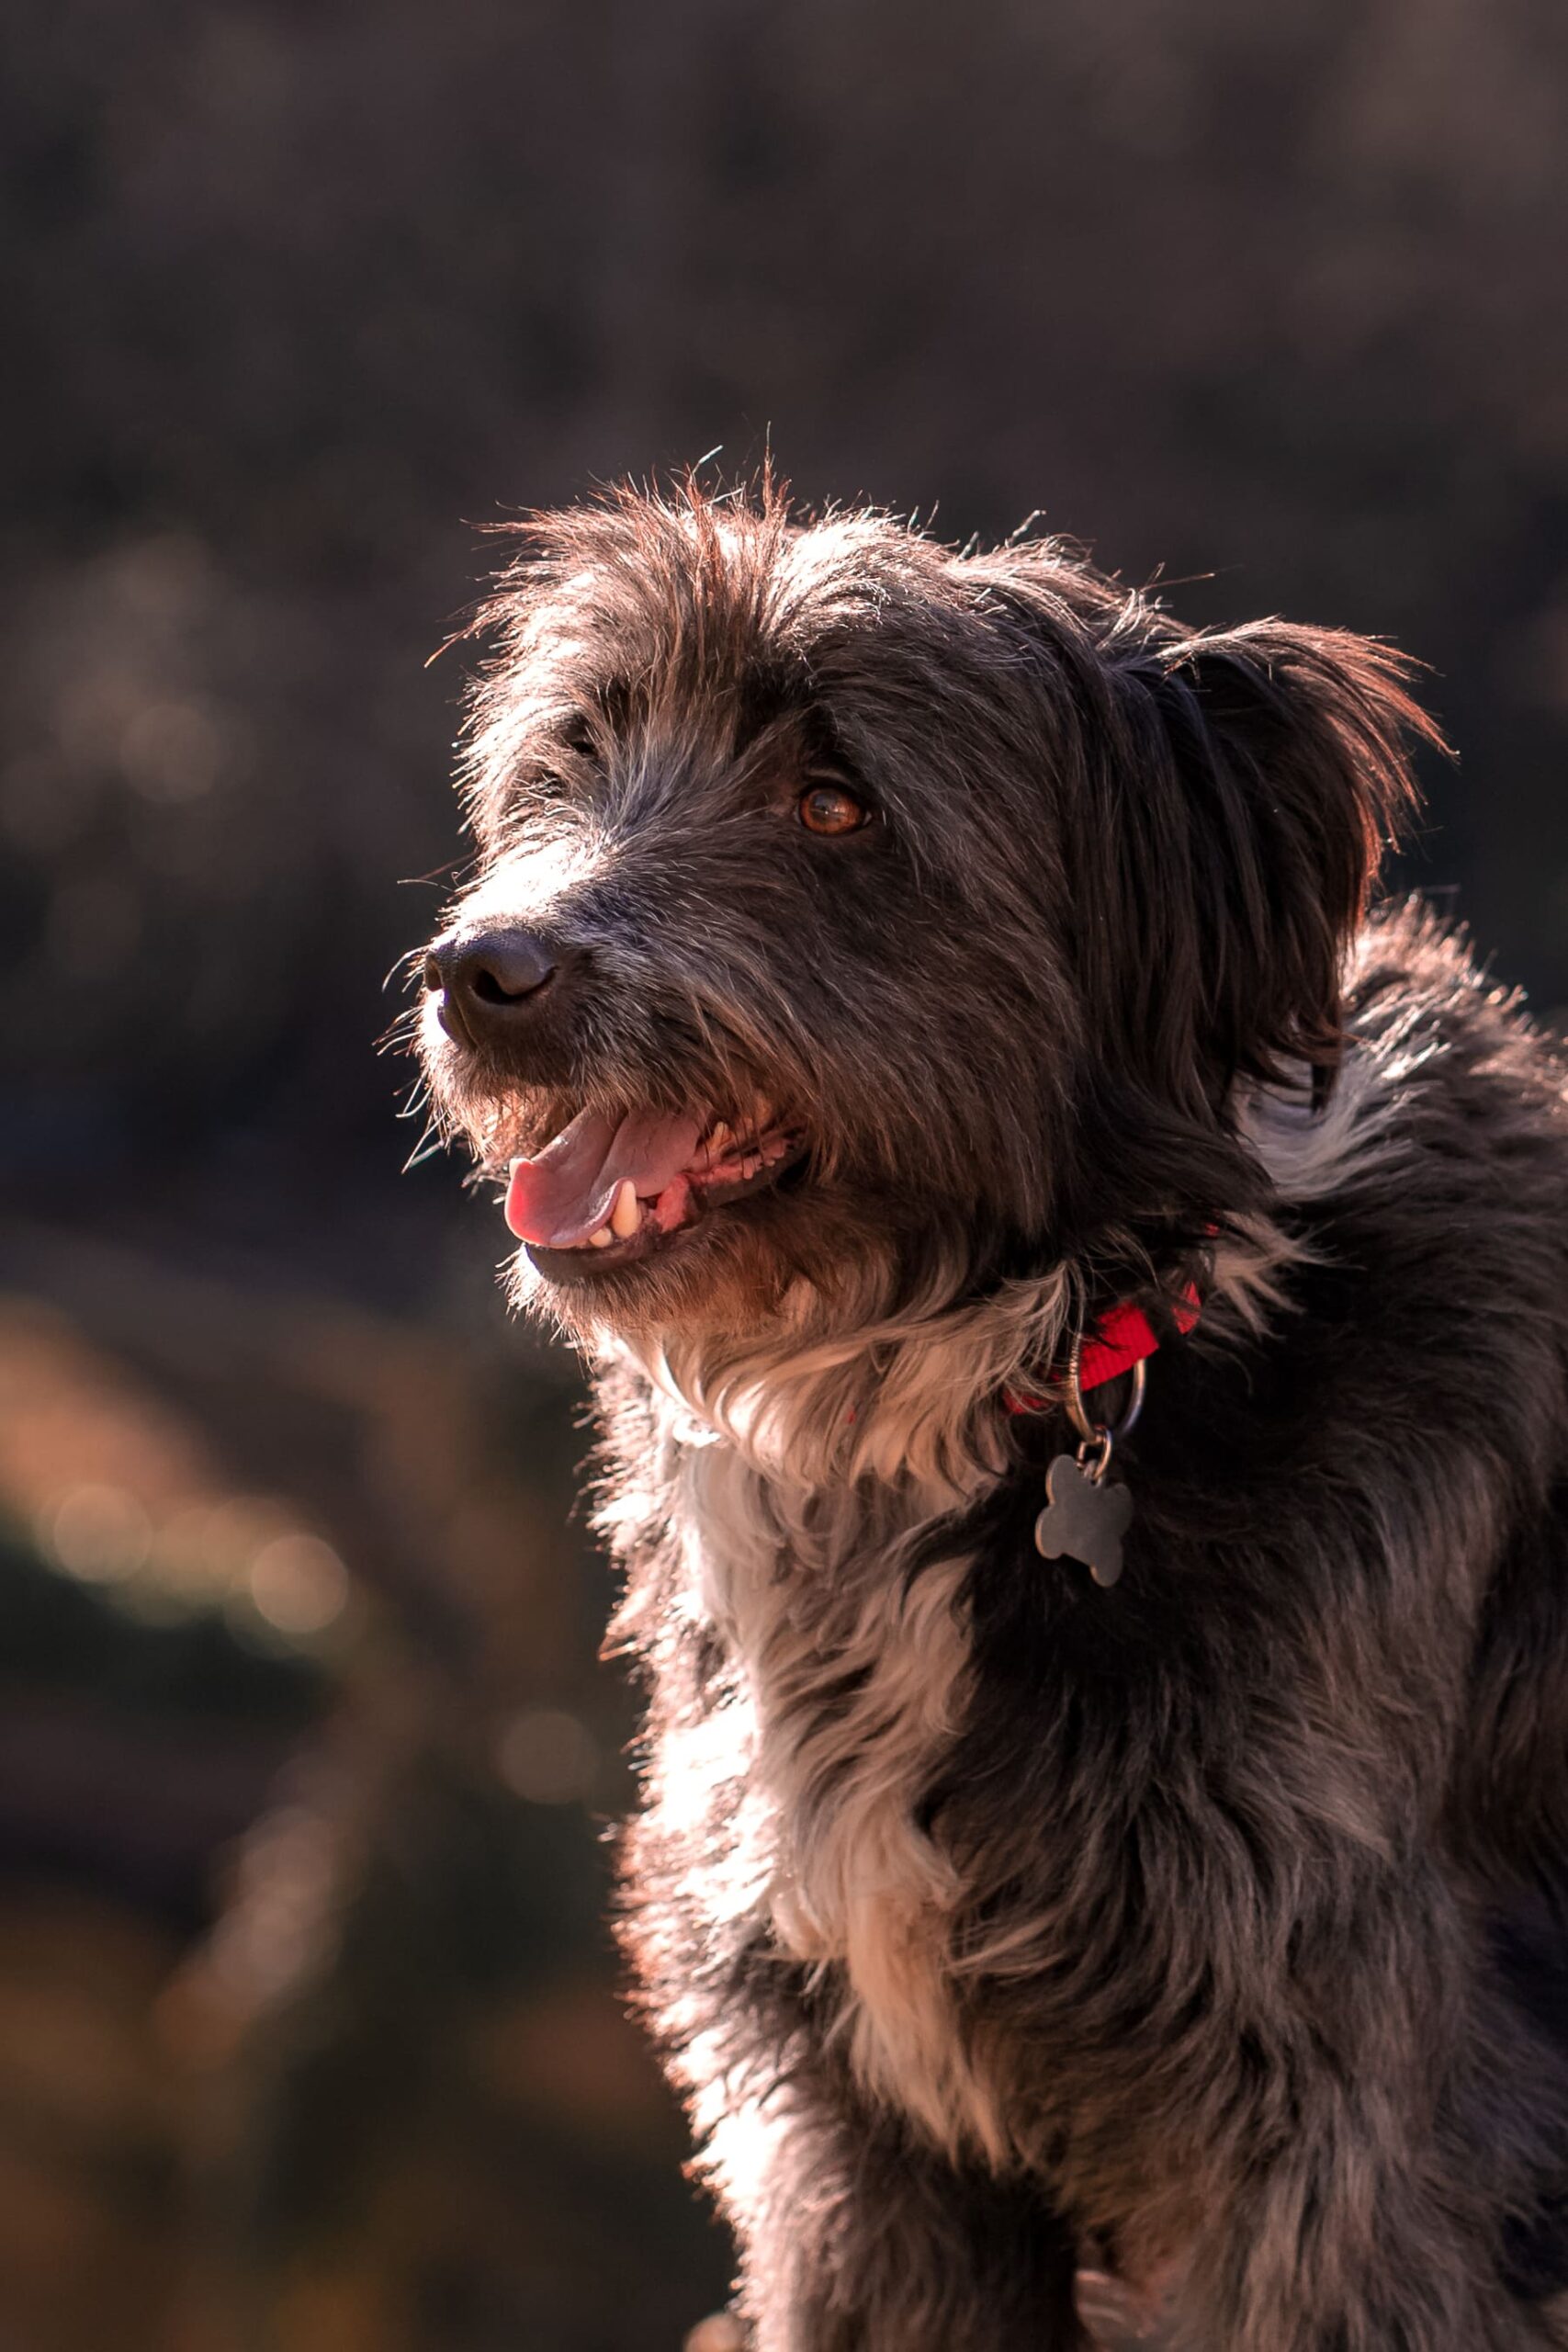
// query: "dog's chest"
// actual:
[[846, 1675]]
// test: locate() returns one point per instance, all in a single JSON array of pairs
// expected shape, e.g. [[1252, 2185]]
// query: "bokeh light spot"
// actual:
[[99, 1534], [298, 1584]]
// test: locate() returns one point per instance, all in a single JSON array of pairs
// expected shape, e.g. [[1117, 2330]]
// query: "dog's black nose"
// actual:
[[488, 982]]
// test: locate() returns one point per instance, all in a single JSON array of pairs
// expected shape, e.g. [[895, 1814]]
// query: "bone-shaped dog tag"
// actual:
[[1083, 1519]]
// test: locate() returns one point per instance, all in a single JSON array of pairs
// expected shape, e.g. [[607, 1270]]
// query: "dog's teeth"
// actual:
[[719, 1140], [602, 1240], [624, 1216]]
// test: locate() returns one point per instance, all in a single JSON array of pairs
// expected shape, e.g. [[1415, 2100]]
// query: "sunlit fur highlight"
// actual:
[[1212, 1929]]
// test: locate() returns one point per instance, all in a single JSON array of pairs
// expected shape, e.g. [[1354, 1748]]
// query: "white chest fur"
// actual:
[[847, 1676]]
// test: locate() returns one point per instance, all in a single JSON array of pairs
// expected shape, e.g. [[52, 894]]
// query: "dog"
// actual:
[[924, 1008]]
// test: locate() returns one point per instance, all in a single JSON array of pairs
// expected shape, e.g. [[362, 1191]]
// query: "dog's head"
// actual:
[[843, 899]]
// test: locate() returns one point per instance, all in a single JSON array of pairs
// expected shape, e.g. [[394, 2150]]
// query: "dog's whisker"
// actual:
[[430, 1147]]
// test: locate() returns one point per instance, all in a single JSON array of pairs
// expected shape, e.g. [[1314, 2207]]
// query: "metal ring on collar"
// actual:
[[1076, 1413]]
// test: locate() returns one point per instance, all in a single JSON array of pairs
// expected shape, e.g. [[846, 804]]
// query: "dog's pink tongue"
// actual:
[[557, 1200]]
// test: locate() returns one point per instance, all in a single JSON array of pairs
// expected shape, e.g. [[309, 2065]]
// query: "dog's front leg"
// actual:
[[855, 2239], [1322, 2259], [1368, 2220]]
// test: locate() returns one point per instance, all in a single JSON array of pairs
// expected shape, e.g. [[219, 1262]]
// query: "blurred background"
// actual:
[[308, 2036]]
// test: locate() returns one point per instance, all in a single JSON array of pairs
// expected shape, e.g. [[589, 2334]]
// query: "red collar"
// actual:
[[1122, 1336]]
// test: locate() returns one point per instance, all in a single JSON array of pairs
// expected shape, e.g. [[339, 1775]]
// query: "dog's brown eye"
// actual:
[[828, 808]]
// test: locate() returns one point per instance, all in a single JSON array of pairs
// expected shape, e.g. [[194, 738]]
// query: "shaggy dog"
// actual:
[[908, 987]]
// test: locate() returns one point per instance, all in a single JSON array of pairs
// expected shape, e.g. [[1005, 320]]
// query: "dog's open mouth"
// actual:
[[606, 1192]]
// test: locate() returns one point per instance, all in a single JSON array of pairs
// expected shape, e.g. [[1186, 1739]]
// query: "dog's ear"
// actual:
[[1265, 772]]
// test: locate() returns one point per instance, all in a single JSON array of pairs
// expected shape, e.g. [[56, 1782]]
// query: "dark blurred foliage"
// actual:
[[307, 2036]]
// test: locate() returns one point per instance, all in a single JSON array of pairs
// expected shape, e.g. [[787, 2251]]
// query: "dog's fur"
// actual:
[[1214, 1926]]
